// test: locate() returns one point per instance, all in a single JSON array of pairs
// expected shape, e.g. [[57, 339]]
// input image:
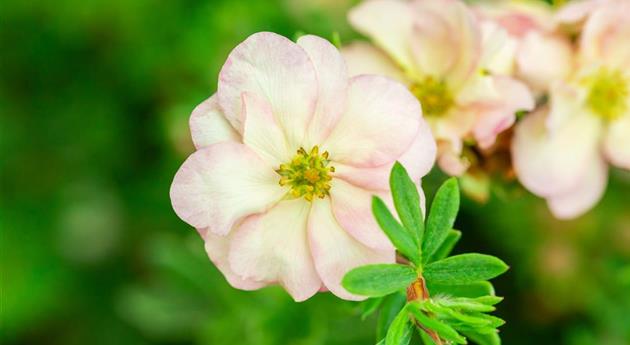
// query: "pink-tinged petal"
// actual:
[[363, 58], [587, 193], [498, 49], [208, 125], [332, 76], [576, 11], [219, 184], [418, 160], [352, 207], [565, 102], [450, 159], [261, 131], [501, 114], [465, 36], [380, 123], [217, 248], [388, 23], [552, 163], [617, 142], [273, 246], [433, 42], [605, 38], [335, 252], [272, 67], [543, 58]]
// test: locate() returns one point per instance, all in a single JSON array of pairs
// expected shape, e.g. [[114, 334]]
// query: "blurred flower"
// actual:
[[561, 153], [457, 66], [542, 55], [289, 152]]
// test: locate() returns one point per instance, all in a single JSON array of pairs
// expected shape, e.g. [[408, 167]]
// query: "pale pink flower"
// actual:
[[456, 65], [543, 55], [562, 153], [289, 152]]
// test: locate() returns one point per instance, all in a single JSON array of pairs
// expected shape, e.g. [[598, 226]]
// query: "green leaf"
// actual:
[[392, 304], [441, 217], [403, 240], [407, 201], [369, 306], [399, 332], [444, 331], [464, 268], [447, 246], [378, 280], [472, 290], [467, 304]]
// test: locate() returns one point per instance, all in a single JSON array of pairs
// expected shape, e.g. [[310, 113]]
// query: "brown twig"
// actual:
[[418, 291]]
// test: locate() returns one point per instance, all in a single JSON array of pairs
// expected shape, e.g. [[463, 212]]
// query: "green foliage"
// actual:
[[378, 280], [447, 298]]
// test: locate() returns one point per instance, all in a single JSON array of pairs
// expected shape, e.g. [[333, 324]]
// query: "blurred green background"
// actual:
[[94, 104]]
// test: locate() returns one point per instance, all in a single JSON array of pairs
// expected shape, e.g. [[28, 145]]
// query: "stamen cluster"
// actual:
[[308, 174]]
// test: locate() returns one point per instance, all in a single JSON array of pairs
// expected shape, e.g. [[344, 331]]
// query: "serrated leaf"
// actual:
[[403, 240], [447, 246], [399, 332], [369, 306], [443, 330], [464, 268], [392, 304], [441, 217], [407, 201], [378, 280], [471, 290]]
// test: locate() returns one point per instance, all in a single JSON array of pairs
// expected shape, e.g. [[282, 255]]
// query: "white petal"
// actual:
[[218, 185], [543, 58], [332, 76], [262, 133], [363, 58], [389, 24], [335, 252], [587, 193], [208, 125], [617, 142], [553, 162], [217, 248], [380, 123], [272, 67], [352, 207], [418, 160], [273, 246]]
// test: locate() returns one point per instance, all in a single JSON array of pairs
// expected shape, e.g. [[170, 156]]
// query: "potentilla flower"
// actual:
[[531, 23], [457, 66], [562, 153], [289, 152]]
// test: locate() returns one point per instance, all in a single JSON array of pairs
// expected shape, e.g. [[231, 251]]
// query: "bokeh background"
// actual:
[[94, 103]]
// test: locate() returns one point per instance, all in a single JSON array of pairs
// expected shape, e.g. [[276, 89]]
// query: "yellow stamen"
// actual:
[[308, 174]]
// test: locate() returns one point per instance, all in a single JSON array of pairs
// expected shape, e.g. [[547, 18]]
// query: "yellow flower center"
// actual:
[[308, 174], [434, 95], [608, 93]]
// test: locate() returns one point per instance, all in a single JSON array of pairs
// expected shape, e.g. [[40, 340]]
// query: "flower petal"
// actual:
[[217, 248], [272, 67], [586, 194], [617, 142], [543, 58], [273, 246], [219, 184], [605, 36], [262, 133], [432, 42], [208, 125], [388, 23], [552, 163], [500, 115], [418, 159], [380, 123], [332, 76], [335, 252], [363, 58], [352, 207]]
